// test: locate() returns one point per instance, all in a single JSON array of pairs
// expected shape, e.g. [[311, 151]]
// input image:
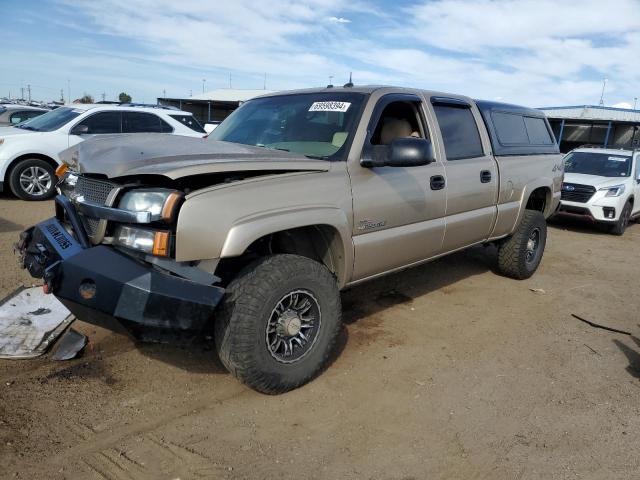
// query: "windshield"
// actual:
[[601, 164], [50, 121], [318, 125]]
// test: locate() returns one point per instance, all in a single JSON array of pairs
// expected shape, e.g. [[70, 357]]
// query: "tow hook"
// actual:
[[49, 277]]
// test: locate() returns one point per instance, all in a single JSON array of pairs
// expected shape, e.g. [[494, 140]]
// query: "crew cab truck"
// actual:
[[602, 185], [254, 231]]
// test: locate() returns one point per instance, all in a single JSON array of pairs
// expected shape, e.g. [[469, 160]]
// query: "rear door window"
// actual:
[[103, 123], [141, 122], [459, 132]]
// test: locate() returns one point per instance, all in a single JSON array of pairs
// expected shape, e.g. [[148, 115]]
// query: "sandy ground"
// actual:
[[445, 371]]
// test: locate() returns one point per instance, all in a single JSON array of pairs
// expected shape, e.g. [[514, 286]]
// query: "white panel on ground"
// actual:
[[30, 321]]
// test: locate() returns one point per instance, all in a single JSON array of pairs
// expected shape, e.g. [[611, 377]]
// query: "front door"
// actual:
[[398, 212], [472, 175]]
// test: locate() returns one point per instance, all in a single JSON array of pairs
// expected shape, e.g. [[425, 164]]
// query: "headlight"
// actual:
[[153, 242], [161, 203], [614, 191]]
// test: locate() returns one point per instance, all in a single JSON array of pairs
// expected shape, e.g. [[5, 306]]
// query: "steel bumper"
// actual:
[[99, 284]]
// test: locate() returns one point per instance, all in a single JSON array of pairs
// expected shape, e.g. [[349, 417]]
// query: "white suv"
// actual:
[[603, 185], [29, 152]]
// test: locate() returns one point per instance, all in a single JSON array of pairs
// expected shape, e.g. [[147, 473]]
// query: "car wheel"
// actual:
[[520, 255], [33, 179], [278, 323], [623, 222]]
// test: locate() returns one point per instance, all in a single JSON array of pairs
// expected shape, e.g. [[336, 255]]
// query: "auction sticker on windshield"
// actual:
[[618, 159], [329, 106]]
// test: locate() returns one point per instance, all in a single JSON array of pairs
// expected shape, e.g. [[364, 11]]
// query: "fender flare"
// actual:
[[249, 229], [526, 193]]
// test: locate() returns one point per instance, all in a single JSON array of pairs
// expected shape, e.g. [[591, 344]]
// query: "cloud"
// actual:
[[538, 52], [339, 20]]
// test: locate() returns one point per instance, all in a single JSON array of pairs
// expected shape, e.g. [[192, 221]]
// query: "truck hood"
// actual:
[[175, 156], [594, 180]]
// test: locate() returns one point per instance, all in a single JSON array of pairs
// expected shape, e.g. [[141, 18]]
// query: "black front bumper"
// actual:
[[98, 284]]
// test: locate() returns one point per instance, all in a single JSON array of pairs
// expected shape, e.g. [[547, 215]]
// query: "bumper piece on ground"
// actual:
[[99, 283]]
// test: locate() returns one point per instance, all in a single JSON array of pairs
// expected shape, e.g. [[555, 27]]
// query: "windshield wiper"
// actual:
[[317, 157], [27, 127]]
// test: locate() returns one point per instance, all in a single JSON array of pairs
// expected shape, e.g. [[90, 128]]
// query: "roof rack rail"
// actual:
[[149, 105]]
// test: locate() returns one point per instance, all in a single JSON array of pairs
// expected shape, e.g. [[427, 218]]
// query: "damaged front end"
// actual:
[[107, 255]]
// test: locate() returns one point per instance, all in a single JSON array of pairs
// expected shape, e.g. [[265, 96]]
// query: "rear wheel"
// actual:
[[33, 179], [520, 255], [623, 222], [278, 323]]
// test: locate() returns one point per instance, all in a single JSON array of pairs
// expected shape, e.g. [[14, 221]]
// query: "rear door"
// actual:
[[471, 173]]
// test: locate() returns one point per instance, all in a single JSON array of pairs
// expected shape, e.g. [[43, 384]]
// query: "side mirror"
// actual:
[[409, 152], [80, 130], [403, 152]]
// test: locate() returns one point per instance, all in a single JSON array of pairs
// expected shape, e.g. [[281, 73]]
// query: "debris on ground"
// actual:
[[538, 290], [597, 325], [30, 321], [70, 345]]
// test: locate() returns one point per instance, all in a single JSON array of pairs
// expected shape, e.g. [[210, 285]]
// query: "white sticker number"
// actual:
[[329, 107]]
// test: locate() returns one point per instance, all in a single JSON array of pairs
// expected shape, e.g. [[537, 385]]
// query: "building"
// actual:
[[215, 105], [607, 126]]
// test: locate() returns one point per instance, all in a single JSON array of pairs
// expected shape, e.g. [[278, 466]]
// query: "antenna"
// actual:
[[330, 82], [264, 86], [349, 84], [604, 84]]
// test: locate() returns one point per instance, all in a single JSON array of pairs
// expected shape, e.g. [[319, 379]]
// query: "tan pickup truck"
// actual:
[[252, 233]]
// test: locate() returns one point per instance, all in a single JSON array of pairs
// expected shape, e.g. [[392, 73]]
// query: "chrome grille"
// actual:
[[574, 192], [94, 190], [97, 191]]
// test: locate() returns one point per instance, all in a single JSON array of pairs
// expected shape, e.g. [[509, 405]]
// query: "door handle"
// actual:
[[437, 182], [485, 176]]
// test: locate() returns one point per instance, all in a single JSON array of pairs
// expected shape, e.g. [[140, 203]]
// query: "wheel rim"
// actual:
[[35, 181], [533, 244], [293, 326]]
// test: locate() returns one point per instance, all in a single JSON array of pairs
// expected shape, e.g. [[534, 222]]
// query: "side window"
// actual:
[[140, 122], [103, 123], [189, 121], [518, 129], [398, 119], [24, 115], [537, 130], [459, 132], [510, 128]]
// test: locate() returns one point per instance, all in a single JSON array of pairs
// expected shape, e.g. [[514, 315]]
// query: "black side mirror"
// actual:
[[80, 130], [409, 152], [403, 152]]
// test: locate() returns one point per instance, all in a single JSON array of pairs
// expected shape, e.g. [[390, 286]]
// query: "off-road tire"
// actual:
[[249, 301], [621, 225], [512, 252], [24, 165]]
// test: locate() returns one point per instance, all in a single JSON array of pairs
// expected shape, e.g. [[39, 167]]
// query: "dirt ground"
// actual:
[[446, 371]]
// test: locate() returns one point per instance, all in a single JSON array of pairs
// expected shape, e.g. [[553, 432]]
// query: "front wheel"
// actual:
[[623, 222], [33, 179], [520, 255], [278, 323]]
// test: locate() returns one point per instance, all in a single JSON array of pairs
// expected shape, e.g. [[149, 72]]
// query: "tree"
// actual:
[[124, 98], [86, 98]]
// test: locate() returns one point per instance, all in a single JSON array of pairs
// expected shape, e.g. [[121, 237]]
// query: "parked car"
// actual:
[[30, 151], [294, 197], [12, 114], [602, 185]]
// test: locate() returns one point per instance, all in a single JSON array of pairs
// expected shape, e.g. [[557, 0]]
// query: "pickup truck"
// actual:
[[253, 231]]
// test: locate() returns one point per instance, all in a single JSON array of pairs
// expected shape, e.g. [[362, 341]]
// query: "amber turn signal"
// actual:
[[161, 244], [61, 170], [170, 205]]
